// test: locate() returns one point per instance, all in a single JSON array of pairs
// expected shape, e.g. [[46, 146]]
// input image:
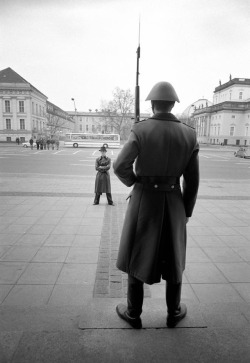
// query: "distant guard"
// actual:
[[102, 182]]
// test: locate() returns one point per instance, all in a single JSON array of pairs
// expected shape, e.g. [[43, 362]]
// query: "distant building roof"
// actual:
[[9, 76], [231, 82], [201, 103]]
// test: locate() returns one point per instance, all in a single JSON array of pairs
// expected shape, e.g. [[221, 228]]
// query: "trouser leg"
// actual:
[[109, 198], [97, 198], [173, 297], [135, 294]]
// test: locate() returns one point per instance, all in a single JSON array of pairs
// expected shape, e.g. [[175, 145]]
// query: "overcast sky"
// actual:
[[85, 48]]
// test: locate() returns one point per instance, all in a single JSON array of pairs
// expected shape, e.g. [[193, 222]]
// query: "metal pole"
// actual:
[[75, 110]]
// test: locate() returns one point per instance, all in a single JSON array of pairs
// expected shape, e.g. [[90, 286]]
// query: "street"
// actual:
[[59, 284], [215, 163]]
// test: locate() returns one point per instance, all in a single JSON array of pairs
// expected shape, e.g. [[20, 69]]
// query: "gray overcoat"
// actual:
[[102, 181], [153, 239]]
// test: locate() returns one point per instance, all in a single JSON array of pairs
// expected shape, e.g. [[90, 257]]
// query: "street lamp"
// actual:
[[72, 99]]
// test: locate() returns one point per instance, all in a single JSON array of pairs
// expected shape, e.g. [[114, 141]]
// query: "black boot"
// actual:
[[97, 199], [131, 313], [109, 198], [176, 310]]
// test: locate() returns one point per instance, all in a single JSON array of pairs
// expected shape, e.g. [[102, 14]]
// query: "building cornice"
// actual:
[[235, 81], [227, 105]]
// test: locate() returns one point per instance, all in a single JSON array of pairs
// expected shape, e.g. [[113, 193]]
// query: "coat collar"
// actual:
[[165, 116]]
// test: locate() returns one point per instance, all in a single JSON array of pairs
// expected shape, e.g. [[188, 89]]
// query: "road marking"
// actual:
[[76, 152], [82, 165], [204, 156], [222, 157], [94, 152], [58, 152], [15, 155]]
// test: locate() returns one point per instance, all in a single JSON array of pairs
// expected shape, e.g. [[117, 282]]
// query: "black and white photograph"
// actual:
[[124, 181]]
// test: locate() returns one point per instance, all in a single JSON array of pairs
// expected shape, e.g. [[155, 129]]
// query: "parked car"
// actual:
[[242, 153], [26, 144]]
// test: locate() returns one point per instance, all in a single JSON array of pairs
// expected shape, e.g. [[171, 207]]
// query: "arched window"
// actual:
[[240, 95]]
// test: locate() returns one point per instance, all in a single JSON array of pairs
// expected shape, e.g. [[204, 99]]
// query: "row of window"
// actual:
[[224, 95], [216, 130], [7, 106], [38, 125], [8, 124], [8, 139], [215, 117], [91, 128], [37, 109]]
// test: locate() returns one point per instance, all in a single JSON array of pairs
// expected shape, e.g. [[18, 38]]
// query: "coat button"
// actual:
[[172, 186], [155, 186]]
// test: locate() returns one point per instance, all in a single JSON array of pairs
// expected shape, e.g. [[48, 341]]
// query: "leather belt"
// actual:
[[158, 179], [159, 183]]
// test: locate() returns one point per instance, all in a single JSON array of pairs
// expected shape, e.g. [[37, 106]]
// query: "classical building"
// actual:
[[187, 115], [104, 122], [227, 120], [59, 122], [25, 111]]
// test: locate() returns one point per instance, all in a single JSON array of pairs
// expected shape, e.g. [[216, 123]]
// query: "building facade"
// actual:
[[59, 122], [227, 121], [104, 122], [25, 111]]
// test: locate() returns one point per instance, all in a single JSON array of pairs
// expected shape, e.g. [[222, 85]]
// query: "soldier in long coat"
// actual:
[[153, 239], [102, 182]]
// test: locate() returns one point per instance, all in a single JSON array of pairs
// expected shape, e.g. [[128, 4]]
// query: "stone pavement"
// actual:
[[59, 285]]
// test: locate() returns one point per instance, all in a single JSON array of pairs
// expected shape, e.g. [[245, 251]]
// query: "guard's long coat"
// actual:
[[102, 182], [153, 240]]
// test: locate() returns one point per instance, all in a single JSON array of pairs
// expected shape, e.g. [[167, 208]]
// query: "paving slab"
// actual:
[[41, 312], [77, 273], [39, 318], [101, 314], [51, 254], [28, 295], [40, 273]]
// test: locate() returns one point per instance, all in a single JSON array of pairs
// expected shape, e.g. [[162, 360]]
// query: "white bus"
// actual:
[[80, 139]]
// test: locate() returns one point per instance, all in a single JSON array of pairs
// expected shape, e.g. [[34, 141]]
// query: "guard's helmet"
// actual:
[[163, 91]]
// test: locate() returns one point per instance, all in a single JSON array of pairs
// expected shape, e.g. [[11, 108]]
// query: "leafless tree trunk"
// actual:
[[117, 112]]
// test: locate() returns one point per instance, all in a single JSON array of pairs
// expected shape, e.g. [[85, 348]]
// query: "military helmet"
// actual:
[[163, 91]]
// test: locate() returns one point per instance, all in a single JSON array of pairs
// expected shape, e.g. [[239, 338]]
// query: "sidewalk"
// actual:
[[59, 285]]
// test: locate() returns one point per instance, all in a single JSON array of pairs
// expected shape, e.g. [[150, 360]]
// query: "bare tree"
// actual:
[[55, 123], [117, 112]]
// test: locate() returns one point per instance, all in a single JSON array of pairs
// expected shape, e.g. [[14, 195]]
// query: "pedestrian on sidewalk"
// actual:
[[102, 182], [31, 143], [52, 141], [153, 239], [44, 143]]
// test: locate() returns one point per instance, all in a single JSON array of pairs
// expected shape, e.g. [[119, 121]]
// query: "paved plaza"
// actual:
[[59, 285]]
